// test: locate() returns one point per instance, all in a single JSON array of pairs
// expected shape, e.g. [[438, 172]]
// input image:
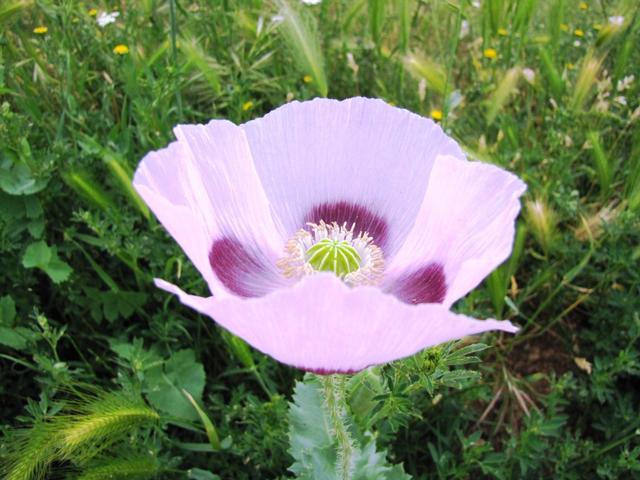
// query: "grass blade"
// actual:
[[212, 434], [405, 24], [432, 72], [604, 169], [376, 19], [301, 37], [132, 468], [11, 9], [205, 64], [502, 93], [551, 72], [585, 82], [84, 185]]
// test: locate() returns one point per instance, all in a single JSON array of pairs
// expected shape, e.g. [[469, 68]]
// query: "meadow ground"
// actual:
[[94, 361]]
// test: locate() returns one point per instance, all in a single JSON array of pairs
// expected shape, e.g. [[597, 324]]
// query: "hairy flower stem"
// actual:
[[334, 390]]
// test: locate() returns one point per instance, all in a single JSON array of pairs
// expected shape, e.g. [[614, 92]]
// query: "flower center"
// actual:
[[334, 256], [333, 248]]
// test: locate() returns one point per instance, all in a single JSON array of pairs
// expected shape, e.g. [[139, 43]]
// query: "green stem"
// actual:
[[174, 52], [262, 383], [336, 404], [451, 59]]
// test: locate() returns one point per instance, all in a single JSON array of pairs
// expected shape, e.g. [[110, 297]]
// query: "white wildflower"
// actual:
[[625, 83], [259, 25], [311, 2], [616, 20], [620, 100], [105, 18], [422, 89], [529, 75], [464, 28], [351, 63], [276, 19]]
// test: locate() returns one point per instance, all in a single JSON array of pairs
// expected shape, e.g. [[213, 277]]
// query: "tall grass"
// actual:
[[376, 20], [87, 426], [505, 89], [301, 37], [603, 164], [586, 80]]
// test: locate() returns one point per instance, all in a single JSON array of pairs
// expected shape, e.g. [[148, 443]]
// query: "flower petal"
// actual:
[[159, 180], [466, 224], [205, 186], [322, 325], [356, 160]]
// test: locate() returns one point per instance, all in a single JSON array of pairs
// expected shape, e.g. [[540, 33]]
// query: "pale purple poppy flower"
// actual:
[[333, 235]]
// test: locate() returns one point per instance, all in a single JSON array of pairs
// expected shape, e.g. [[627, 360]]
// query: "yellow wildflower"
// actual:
[[570, 66], [583, 6], [503, 32], [41, 30], [490, 53], [578, 32], [93, 12], [247, 106], [436, 114], [121, 49], [307, 79], [564, 27]]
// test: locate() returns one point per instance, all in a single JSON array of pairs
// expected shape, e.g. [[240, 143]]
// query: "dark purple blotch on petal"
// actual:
[[427, 284], [351, 213], [236, 267]]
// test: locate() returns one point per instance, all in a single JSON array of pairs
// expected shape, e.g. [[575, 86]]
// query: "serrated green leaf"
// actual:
[[314, 448], [372, 464], [36, 227], [58, 270], [11, 338], [17, 179], [32, 207], [310, 441], [7, 311], [366, 388], [458, 378], [465, 355], [37, 255], [40, 255], [164, 384]]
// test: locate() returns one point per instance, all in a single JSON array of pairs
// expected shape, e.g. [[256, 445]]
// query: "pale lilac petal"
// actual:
[[160, 182], [357, 160], [322, 325], [211, 191], [465, 227]]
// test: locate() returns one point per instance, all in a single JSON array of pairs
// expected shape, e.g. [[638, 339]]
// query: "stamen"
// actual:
[[333, 248]]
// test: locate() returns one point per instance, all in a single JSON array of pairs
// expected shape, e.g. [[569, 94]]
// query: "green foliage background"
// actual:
[[79, 316]]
